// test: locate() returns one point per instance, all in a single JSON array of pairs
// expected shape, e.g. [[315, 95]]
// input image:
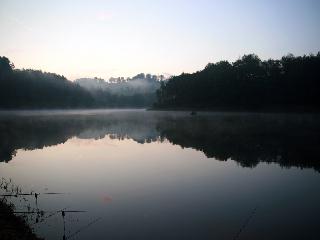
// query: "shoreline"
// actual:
[[226, 110]]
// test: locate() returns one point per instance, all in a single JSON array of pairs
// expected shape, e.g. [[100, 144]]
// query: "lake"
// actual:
[[136, 174]]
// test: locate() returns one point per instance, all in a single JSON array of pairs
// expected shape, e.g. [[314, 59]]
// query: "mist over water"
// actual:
[[165, 175]]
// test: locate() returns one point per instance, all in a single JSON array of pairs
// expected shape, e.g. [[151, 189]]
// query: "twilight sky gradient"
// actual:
[[121, 38]]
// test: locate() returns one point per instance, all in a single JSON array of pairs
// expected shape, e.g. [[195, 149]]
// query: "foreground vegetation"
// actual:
[[12, 226], [249, 83]]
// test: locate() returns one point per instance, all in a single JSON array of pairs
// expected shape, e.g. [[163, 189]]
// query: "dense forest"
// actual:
[[248, 84], [36, 89], [31, 89], [291, 83]]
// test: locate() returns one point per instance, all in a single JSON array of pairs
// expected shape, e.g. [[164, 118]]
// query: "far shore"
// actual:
[[193, 110], [229, 110]]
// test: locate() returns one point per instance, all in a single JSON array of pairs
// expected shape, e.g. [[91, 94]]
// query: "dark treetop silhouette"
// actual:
[[291, 83], [30, 89], [36, 89]]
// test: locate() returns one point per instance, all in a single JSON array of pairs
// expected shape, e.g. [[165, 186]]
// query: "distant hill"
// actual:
[[138, 91], [29, 89], [34, 89], [139, 84]]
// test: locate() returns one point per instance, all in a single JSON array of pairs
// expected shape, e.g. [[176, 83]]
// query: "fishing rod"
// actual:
[[62, 211], [53, 213], [29, 194], [63, 214], [246, 222], [82, 228]]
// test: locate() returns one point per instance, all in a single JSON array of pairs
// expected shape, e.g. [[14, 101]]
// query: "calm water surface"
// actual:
[[164, 175]]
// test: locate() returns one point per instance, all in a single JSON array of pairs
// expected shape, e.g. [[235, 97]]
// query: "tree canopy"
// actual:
[[30, 89], [36, 89], [291, 83], [248, 84]]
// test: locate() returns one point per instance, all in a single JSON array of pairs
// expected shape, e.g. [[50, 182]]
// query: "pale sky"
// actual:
[[122, 38]]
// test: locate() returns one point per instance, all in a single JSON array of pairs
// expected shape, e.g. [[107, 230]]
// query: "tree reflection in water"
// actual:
[[286, 139]]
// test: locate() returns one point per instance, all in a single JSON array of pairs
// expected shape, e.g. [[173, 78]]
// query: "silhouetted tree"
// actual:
[[37, 89], [247, 84], [29, 89]]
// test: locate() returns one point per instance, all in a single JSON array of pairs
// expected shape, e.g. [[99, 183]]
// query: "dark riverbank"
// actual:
[[226, 110], [14, 227]]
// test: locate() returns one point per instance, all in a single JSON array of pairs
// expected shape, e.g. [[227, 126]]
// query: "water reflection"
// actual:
[[128, 170], [286, 139]]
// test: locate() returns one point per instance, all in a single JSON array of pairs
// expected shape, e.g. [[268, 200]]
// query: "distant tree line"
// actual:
[[30, 89], [249, 83], [36, 89], [291, 83], [138, 91], [104, 98]]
